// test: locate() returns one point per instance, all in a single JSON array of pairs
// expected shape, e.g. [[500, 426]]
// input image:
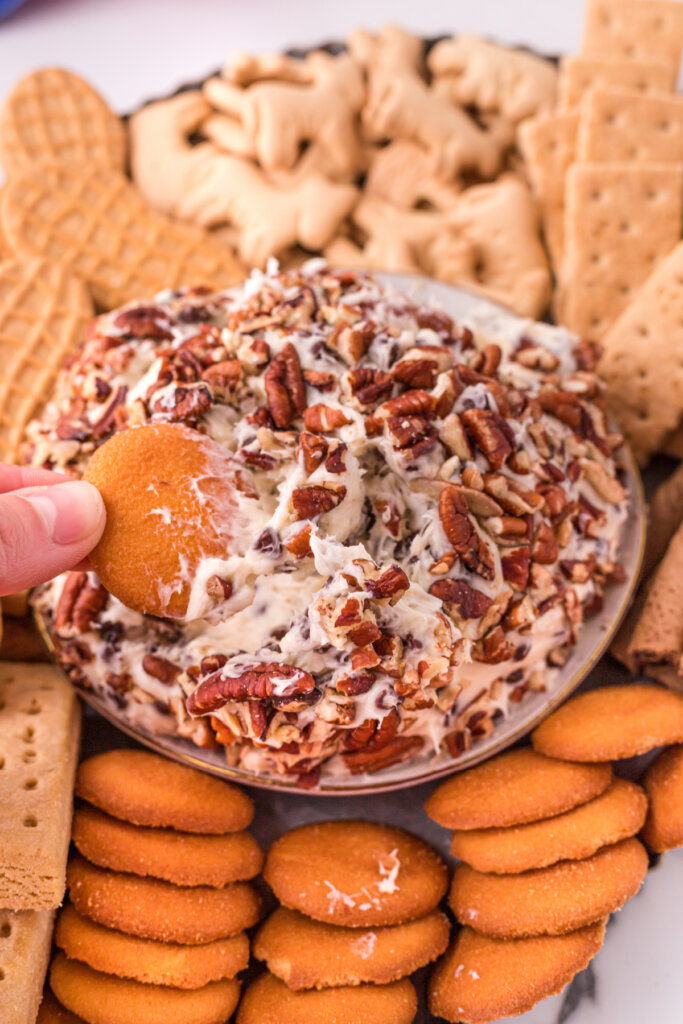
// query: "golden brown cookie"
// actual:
[[550, 901], [52, 1012], [104, 999], [172, 470], [183, 858], [513, 788], [663, 783], [482, 979], [355, 873], [53, 115], [309, 954], [146, 789], [616, 814], [611, 723], [92, 220], [269, 1001], [154, 963], [156, 910]]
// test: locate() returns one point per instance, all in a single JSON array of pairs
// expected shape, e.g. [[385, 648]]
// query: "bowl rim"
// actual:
[[532, 710]]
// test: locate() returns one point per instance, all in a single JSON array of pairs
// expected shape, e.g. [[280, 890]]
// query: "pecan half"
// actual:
[[372, 759], [462, 535], [544, 548], [285, 388], [410, 403], [392, 583], [416, 373], [515, 566], [493, 648], [143, 322], [471, 603], [313, 450], [160, 668], [309, 502], [321, 418], [366, 385], [259, 681], [490, 433]]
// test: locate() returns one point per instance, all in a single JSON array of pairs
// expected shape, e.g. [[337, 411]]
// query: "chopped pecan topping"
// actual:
[[184, 403], [259, 681], [309, 502], [453, 435], [416, 373], [493, 648], [319, 380], [143, 322], [285, 388], [544, 548], [334, 463], [321, 418], [372, 759], [462, 535], [218, 589], [359, 682], [160, 668], [368, 386], [391, 583], [490, 433], [313, 450], [223, 377], [410, 403], [79, 605], [469, 602], [515, 566], [299, 544]]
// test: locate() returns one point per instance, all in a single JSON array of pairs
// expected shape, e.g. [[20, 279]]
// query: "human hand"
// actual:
[[48, 523]]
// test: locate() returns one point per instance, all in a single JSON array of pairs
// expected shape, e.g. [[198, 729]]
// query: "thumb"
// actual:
[[45, 530]]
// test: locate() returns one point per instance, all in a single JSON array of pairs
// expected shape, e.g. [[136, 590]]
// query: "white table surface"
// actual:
[[132, 50]]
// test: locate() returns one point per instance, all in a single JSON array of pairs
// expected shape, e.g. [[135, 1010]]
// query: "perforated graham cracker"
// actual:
[[643, 359], [619, 124], [621, 219], [635, 30], [580, 74], [549, 148], [25, 938], [44, 311], [39, 733]]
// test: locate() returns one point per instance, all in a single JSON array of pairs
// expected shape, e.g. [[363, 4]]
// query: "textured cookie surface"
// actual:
[[103, 999], [25, 937], [146, 789], [513, 788], [611, 723], [269, 1001], [664, 786], [616, 814], [154, 963], [39, 731], [170, 471], [44, 312], [52, 1012], [92, 220], [53, 115], [482, 979], [552, 900], [183, 858], [355, 873], [156, 910], [309, 954]]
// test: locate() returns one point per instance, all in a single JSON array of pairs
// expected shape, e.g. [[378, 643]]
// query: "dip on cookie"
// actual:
[[437, 508]]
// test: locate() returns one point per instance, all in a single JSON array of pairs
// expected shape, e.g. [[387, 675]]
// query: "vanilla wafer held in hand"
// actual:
[[175, 515]]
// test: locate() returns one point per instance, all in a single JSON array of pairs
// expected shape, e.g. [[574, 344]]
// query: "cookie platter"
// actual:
[[593, 641]]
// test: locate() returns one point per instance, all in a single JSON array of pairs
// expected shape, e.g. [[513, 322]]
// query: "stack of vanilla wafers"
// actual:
[[159, 897], [39, 734], [607, 169], [358, 915], [546, 841], [75, 232]]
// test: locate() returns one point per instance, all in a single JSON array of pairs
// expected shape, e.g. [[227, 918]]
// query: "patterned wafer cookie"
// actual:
[[53, 115], [95, 221], [24, 950], [44, 310], [39, 730]]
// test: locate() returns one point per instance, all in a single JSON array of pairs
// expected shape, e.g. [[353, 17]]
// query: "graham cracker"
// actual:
[[580, 74], [635, 30], [39, 733], [25, 938], [621, 219], [643, 359], [549, 148], [618, 124]]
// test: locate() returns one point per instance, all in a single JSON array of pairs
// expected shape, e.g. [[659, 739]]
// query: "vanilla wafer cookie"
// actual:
[[93, 220], [39, 732], [25, 937], [44, 311], [53, 115]]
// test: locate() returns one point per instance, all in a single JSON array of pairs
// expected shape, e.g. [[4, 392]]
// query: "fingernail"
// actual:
[[71, 511]]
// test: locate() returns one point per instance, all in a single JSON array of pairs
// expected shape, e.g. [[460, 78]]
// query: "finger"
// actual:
[[45, 530], [12, 478]]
